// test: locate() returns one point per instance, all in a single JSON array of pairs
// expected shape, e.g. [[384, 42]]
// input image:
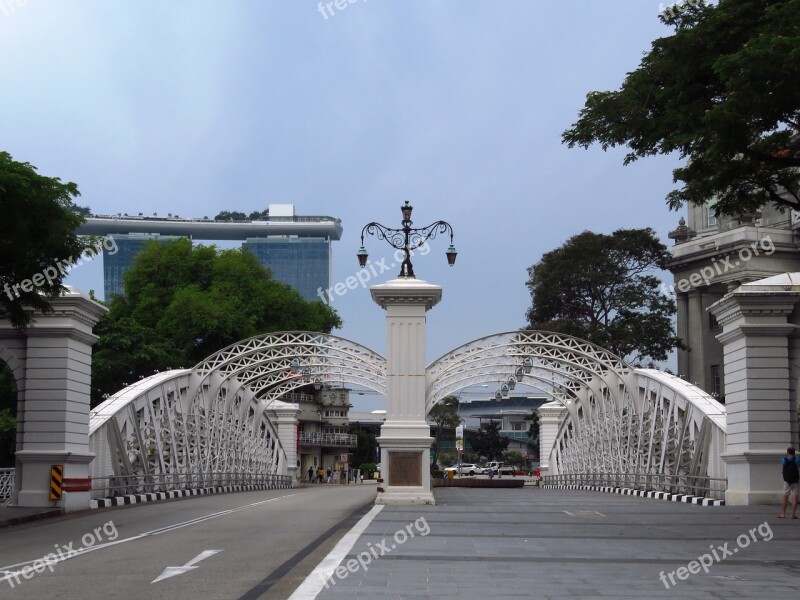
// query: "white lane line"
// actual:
[[313, 584], [8, 574]]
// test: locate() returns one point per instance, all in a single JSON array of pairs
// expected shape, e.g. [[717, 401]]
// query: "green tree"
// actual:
[[365, 450], [601, 288], [8, 413], [722, 92], [182, 303], [488, 442], [259, 215], [37, 237], [533, 428], [227, 215], [513, 458], [8, 435], [444, 415]]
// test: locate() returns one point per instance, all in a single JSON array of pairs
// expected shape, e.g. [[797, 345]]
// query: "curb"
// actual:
[[698, 500], [46, 514], [156, 496]]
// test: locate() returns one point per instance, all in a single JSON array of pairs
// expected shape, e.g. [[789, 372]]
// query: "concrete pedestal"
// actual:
[[405, 438], [284, 415], [760, 385], [53, 413], [550, 417]]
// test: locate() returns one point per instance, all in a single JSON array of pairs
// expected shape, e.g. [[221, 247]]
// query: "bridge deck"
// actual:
[[530, 543]]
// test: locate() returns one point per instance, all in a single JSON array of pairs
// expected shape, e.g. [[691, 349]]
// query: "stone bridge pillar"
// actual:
[[284, 415], [53, 413], [759, 338], [405, 438], [550, 417]]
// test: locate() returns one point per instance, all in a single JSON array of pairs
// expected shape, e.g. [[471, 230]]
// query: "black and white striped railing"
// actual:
[[156, 496], [641, 493]]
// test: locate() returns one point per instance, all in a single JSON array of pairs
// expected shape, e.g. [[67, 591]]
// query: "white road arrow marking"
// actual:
[[172, 571]]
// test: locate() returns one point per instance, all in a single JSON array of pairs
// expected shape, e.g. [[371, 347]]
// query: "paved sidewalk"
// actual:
[[525, 543]]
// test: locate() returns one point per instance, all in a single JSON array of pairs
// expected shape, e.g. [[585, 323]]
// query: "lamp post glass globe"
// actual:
[[407, 208], [527, 365], [362, 257]]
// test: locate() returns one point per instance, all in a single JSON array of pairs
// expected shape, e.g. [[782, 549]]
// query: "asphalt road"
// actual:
[[244, 546]]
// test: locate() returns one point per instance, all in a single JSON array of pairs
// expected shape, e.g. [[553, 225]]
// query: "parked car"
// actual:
[[500, 469], [466, 469]]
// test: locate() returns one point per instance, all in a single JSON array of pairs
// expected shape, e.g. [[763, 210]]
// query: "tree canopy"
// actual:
[[444, 415], [488, 442], [37, 238], [722, 92], [601, 288], [182, 303], [364, 452], [8, 414]]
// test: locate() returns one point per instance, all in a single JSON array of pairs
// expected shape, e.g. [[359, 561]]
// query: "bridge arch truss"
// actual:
[[217, 419], [617, 419]]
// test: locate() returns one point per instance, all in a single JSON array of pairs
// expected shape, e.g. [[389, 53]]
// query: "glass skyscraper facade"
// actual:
[[128, 246], [302, 262]]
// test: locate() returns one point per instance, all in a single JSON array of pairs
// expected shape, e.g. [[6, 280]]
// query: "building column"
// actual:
[[697, 323], [55, 420], [284, 416], [758, 400], [683, 334], [405, 438], [550, 416]]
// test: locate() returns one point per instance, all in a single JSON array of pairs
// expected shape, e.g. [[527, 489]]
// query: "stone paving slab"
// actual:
[[554, 544]]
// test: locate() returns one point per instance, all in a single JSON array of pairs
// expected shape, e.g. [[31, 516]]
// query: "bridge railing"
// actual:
[[329, 439], [705, 487], [6, 484], [111, 487]]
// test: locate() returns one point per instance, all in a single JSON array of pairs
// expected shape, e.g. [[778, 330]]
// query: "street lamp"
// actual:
[[527, 365], [406, 239]]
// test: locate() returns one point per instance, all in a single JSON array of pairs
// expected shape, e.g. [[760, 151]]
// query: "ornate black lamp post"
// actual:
[[406, 239]]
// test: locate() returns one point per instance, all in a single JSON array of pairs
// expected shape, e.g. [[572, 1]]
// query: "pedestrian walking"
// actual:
[[791, 477]]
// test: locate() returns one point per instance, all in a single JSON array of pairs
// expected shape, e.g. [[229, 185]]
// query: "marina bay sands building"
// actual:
[[296, 249]]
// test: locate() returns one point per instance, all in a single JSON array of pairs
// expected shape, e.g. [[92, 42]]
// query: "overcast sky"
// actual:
[[193, 107]]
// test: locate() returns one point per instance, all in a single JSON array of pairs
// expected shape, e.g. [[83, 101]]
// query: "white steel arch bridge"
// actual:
[[220, 421]]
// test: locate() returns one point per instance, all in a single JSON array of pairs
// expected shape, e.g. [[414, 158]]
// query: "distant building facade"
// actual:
[[296, 249], [712, 257], [303, 263], [322, 431]]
